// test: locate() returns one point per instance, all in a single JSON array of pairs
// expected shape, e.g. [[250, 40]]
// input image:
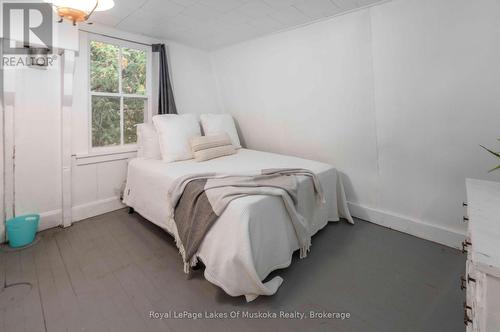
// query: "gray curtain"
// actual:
[[166, 102]]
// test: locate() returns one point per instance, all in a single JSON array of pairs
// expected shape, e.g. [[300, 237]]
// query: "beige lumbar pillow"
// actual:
[[211, 147]]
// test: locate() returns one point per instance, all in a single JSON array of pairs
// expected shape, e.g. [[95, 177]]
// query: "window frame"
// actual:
[[147, 96]]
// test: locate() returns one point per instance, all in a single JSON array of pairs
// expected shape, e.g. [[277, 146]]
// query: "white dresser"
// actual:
[[482, 276]]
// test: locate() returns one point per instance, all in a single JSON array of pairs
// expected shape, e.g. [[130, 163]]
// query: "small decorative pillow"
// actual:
[[147, 142], [174, 133], [214, 124], [211, 147]]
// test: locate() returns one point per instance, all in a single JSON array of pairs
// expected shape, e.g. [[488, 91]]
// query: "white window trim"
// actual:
[[148, 96]]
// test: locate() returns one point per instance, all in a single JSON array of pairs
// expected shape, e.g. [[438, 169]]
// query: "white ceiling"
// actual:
[[211, 24]]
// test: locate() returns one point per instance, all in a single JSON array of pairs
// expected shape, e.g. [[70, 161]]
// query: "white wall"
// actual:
[[397, 97], [437, 97], [308, 92], [38, 143], [193, 80], [31, 128]]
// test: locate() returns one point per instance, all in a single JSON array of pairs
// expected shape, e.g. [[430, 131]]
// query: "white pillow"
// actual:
[[147, 142], [174, 132], [215, 124]]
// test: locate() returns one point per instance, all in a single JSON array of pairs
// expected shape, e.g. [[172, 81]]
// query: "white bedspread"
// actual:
[[254, 235]]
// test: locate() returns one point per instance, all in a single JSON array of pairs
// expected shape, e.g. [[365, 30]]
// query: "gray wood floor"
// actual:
[[107, 273]]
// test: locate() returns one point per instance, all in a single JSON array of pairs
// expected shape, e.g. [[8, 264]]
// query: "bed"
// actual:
[[253, 236]]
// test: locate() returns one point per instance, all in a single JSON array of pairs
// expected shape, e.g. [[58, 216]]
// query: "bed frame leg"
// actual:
[[198, 266], [131, 210]]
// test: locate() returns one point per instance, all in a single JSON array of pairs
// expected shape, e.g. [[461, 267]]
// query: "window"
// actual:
[[118, 91]]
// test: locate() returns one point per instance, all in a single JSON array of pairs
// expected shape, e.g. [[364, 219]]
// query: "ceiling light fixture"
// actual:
[[77, 11]]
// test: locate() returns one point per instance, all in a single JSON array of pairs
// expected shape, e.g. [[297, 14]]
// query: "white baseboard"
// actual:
[[418, 228], [50, 219], [96, 208]]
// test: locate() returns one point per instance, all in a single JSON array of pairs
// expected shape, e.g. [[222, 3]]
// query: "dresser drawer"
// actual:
[[492, 304], [482, 279]]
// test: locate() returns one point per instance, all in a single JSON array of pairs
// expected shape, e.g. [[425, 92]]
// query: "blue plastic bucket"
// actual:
[[21, 231]]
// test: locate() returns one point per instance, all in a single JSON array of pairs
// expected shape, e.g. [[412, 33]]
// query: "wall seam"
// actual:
[[374, 103]]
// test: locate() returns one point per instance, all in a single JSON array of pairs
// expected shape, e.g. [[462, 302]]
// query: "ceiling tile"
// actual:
[[223, 6], [147, 28], [280, 3], [266, 24], [290, 16], [124, 8], [192, 23], [160, 9], [361, 3], [345, 4], [105, 18], [186, 3], [255, 9], [233, 18], [317, 8], [155, 28], [201, 12], [210, 24], [179, 23]]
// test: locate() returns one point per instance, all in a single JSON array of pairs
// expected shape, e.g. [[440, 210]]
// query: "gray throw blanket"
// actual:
[[198, 200]]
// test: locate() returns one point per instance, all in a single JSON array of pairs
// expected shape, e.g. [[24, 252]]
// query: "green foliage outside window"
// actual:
[[104, 67], [105, 121], [133, 71], [105, 62], [133, 113]]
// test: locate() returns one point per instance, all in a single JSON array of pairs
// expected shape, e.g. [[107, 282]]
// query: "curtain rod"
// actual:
[[122, 39]]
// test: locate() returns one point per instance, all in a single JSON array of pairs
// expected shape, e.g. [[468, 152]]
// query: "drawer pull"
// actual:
[[467, 319], [464, 245], [466, 219], [463, 283], [465, 204]]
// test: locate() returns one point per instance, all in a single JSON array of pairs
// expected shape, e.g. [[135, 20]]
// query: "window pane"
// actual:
[[104, 67], [105, 121], [133, 71], [133, 113]]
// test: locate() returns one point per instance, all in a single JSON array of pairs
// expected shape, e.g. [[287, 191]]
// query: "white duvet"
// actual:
[[254, 235]]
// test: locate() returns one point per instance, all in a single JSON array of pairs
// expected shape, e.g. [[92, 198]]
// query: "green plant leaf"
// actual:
[[494, 169], [497, 154]]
